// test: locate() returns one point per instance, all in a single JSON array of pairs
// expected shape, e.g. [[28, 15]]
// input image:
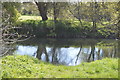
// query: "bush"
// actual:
[[63, 29]]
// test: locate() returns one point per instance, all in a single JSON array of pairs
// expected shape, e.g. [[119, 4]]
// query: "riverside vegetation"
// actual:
[[17, 66], [65, 20], [62, 28]]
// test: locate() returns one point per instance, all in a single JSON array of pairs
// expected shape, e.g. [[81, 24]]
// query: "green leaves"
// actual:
[[10, 9]]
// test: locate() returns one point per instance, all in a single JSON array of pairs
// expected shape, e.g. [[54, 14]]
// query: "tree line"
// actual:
[[103, 16]]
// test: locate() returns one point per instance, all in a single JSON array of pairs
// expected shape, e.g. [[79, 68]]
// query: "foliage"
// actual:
[[10, 8], [28, 8], [63, 29], [66, 20], [28, 67], [25, 17]]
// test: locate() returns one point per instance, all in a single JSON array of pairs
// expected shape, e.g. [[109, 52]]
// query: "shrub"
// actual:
[[63, 29]]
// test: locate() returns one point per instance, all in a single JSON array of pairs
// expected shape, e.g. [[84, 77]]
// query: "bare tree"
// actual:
[[8, 33]]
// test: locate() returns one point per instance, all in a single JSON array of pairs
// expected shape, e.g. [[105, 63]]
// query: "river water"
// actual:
[[68, 52]]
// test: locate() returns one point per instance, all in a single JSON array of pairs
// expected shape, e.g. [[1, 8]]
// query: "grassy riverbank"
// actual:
[[28, 67]]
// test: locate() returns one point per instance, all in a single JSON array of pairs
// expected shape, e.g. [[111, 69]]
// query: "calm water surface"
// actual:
[[68, 52]]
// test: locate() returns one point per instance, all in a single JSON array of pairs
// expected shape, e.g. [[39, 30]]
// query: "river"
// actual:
[[68, 52]]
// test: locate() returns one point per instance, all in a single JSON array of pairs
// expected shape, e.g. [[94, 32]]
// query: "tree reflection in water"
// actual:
[[69, 54]]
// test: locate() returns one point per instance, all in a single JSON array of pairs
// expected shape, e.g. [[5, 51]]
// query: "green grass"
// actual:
[[0, 67], [24, 17], [28, 67]]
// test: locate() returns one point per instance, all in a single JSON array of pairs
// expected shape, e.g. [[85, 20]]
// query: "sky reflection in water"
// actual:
[[67, 56]]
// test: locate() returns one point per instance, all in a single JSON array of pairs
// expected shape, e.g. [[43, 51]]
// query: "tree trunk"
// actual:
[[78, 54], [95, 15], [92, 53], [94, 26], [56, 10], [46, 54], [79, 17], [39, 51], [42, 7], [0, 41], [0, 29], [118, 24], [118, 49]]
